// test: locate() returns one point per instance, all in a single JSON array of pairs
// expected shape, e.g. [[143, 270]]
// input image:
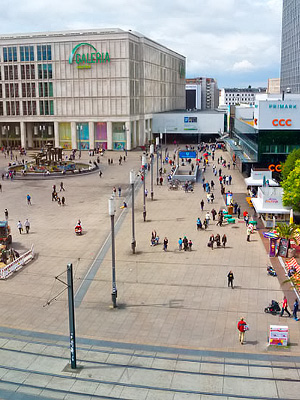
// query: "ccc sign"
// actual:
[[282, 122], [273, 167]]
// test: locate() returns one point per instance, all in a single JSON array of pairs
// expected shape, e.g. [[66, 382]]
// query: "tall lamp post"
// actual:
[[42, 129], [5, 132], [79, 128], [151, 166], [157, 157], [111, 211], [144, 161], [132, 179], [161, 150]]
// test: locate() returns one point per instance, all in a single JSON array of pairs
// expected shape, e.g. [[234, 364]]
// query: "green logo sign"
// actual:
[[182, 70], [84, 60]]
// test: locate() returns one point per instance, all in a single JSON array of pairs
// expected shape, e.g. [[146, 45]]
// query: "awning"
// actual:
[[262, 209], [259, 182]]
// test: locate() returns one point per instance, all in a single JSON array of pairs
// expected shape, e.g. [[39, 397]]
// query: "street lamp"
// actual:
[[42, 129], [132, 179], [5, 132], [157, 156], [161, 150], [79, 128], [111, 211], [144, 162], [151, 166]]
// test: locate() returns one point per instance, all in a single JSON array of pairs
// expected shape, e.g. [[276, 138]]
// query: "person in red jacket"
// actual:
[[241, 328]]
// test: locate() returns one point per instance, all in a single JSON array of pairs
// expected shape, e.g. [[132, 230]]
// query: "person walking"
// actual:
[[20, 227], [238, 212], [119, 191], [63, 200], [100, 173], [246, 219], [28, 197], [284, 307], [207, 217], [211, 241], [180, 244], [249, 230], [61, 187], [165, 243], [295, 309], [185, 243], [199, 224], [230, 278], [27, 225], [202, 204], [242, 329], [6, 214], [190, 245], [114, 191], [224, 240]]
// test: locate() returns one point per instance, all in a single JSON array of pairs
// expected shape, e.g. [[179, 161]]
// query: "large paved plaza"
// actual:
[[173, 335]]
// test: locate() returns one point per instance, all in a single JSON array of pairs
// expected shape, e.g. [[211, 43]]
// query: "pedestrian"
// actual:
[[230, 278], [61, 187], [6, 214], [202, 204], [20, 227], [0, 188], [63, 200], [242, 327], [100, 173], [119, 191], [212, 184], [208, 197], [114, 191], [211, 241], [246, 219], [199, 224], [284, 307], [207, 217], [229, 178], [161, 179], [220, 219], [28, 199], [249, 230], [165, 243], [27, 225], [54, 188], [180, 244], [190, 245], [238, 212], [224, 240], [213, 213], [185, 243], [295, 310], [212, 197]]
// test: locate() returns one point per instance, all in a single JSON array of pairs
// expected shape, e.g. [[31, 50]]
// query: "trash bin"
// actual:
[[230, 210]]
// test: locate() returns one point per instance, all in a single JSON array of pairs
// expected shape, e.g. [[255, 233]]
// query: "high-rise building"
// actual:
[[209, 97], [290, 60], [273, 86], [85, 89]]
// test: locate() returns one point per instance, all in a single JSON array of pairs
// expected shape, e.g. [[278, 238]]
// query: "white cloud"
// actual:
[[217, 37], [243, 66]]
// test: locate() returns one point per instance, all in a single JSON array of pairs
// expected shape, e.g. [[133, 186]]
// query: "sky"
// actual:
[[237, 42]]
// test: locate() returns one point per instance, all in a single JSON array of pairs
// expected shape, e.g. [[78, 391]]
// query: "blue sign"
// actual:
[[187, 154]]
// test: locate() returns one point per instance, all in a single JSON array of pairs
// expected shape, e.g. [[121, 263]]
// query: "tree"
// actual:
[[289, 163], [291, 188], [287, 231]]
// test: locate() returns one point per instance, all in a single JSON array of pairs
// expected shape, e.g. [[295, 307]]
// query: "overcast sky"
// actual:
[[236, 42]]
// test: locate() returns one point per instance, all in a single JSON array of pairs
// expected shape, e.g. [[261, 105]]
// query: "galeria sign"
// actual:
[[84, 60]]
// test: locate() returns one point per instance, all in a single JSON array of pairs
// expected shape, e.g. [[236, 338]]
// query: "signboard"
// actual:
[[229, 196], [278, 335], [187, 154], [277, 115], [272, 252], [283, 247], [190, 124], [91, 56]]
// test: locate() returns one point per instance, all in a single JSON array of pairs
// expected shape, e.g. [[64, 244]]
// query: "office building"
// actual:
[[290, 60], [273, 86], [235, 96], [202, 93], [85, 89]]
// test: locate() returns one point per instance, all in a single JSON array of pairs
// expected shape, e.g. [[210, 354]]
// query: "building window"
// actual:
[[27, 71], [10, 72], [26, 53], [1, 108], [46, 107], [10, 54], [29, 108], [12, 108], [44, 53], [28, 89], [44, 71], [45, 89], [0, 91]]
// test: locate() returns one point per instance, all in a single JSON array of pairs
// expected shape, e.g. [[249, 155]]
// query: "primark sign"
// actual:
[[282, 106]]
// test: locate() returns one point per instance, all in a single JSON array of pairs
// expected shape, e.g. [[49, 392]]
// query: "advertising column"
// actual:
[[109, 136], [73, 135], [56, 134], [128, 135], [92, 135], [23, 134]]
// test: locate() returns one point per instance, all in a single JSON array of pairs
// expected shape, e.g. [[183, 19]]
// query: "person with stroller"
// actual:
[[284, 307]]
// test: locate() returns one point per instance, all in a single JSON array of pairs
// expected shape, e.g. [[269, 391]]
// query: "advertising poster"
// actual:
[[283, 247], [278, 335]]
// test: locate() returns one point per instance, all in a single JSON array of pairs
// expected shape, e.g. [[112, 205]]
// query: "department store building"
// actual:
[[85, 89]]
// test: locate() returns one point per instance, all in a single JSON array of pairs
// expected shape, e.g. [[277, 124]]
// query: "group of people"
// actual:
[[55, 197], [26, 225], [217, 239], [185, 244]]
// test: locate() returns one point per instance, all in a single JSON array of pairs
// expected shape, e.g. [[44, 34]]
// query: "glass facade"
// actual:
[[101, 135], [290, 42], [26, 53], [82, 136], [44, 53], [118, 136], [64, 129]]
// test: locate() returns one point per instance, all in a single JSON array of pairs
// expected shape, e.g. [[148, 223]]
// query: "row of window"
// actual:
[[28, 89], [46, 107], [11, 72], [27, 53]]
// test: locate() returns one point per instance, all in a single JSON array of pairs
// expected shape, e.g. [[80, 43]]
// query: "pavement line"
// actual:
[[90, 275]]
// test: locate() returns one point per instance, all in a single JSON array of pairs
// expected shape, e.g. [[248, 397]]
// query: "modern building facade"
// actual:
[[209, 93], [273, 86], [290, 42], [235, 96], [85, 89], [264, 134]]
